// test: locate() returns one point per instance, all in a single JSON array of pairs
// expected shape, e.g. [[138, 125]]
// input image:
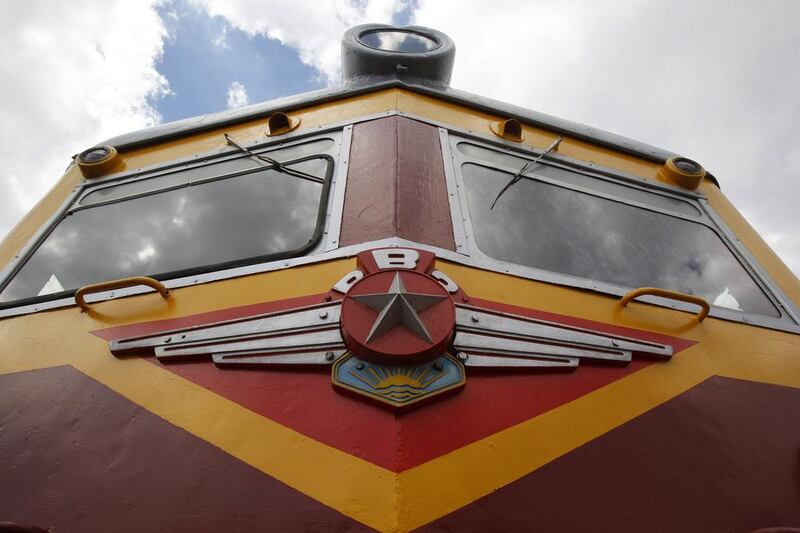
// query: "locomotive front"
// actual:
[[394, 305]]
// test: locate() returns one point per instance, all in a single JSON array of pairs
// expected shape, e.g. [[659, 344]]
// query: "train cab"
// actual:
[[394, 305]]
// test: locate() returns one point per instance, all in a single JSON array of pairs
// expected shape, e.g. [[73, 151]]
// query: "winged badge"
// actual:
[[396, 330]]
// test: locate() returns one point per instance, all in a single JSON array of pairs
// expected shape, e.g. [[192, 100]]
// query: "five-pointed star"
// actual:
[[397, 306]]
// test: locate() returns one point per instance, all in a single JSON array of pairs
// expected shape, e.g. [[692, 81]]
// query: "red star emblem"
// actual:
[[397, 317]]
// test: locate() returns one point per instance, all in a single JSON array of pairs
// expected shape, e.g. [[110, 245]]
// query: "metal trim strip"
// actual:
[[459, 234], [751, 263], [197, 161], [339, 186], [483, 263]]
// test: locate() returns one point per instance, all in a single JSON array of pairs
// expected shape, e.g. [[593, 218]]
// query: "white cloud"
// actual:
[[72, 80], [221, 40], [716, 81], [237, 95], [314, 28]]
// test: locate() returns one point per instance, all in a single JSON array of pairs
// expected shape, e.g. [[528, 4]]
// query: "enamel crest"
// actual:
[[396, 331]]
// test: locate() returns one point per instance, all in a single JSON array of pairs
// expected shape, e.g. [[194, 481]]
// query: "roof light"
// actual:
[[96, 161], [683, 172]]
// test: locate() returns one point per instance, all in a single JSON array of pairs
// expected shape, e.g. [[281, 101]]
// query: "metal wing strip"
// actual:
[[310, 330], [502, 361], [491, 345], [508, 328], [324, 357], [311, 341]]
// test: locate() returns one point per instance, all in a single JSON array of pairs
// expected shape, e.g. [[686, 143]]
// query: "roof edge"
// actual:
[[194, 125]]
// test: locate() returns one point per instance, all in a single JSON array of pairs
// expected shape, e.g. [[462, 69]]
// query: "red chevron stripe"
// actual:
[[304, 400]]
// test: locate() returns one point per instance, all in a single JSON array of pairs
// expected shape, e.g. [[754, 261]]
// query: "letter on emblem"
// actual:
[[396, 258], [445, 280], [349, 279]]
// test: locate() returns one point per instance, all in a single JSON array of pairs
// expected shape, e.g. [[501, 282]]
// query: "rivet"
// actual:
[[168, 339], [360, 366], [438, 365], [614, 343], [329, 356], [462, 357], [465, 299], [323, 315], [327, 297], [475, 319]]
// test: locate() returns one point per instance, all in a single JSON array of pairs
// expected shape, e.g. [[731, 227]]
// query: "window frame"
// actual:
[[466, 252], [467, 245], [72, 205]]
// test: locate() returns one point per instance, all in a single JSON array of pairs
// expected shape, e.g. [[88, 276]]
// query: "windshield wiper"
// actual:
[[553, 147], [274, 163]]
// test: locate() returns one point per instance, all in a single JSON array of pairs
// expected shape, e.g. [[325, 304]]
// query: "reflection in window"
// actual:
[[570, 232], [261, 213], [399, 41], [603, 186], [180, 176]]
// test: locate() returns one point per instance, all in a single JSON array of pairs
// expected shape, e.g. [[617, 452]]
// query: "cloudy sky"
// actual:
[[717, 81]]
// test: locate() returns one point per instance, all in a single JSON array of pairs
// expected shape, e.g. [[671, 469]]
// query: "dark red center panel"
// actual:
[[76, 456], [396, 185]]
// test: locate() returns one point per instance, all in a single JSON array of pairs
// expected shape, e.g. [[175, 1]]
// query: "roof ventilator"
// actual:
[[279, 123], [509, 129]]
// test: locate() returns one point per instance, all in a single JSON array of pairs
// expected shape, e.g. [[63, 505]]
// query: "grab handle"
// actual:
[[118, 284], [673, 295]]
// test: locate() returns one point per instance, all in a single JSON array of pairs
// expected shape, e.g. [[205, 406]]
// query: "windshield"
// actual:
[[215, 215], [542, 224]]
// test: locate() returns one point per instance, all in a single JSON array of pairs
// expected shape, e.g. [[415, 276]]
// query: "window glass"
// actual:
[[570, 232], [600, 185], [180, 176], [257, 214]]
